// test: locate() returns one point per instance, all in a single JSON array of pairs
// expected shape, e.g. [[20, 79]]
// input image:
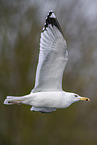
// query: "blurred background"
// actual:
[[21, 22]]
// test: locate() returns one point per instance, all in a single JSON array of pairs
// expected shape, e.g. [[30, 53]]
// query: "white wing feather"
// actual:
[[52, 59]]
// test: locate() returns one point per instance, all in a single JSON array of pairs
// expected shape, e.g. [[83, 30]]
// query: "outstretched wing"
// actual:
[[52, 57]]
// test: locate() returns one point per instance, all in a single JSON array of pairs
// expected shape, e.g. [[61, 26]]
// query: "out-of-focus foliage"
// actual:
[[21, 22]]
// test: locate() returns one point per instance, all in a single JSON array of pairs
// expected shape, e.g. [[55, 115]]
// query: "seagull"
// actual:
[[48, 95]]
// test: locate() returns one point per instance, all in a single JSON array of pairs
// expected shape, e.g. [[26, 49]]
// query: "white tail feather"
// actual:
[[10, 100]]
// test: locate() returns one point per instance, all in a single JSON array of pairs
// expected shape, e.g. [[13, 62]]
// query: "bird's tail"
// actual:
[[10, 100]]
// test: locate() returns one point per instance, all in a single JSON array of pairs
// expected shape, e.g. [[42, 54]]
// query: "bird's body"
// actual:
[[47, 94], [47, 101], [44, 99]]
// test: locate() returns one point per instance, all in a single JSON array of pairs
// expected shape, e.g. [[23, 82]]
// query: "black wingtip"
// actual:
[[51, 19], [50, 13]]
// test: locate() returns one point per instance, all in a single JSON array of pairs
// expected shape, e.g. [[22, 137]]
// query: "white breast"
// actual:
[[49, 99]]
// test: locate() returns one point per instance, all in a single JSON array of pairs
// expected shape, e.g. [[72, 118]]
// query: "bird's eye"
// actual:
[[76, 95]]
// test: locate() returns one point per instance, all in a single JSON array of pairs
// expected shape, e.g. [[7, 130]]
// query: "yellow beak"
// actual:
[[84, 98]]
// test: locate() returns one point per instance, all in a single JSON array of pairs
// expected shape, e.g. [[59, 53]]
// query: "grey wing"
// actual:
[[52, 57]]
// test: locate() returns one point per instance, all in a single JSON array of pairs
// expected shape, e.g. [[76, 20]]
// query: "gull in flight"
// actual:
[[47, 95]]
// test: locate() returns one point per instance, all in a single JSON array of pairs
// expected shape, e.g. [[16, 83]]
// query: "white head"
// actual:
[[81, 98], [75, 97]]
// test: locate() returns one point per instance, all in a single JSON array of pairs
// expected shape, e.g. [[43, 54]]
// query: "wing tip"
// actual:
[[51, 14], [51, 19]]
